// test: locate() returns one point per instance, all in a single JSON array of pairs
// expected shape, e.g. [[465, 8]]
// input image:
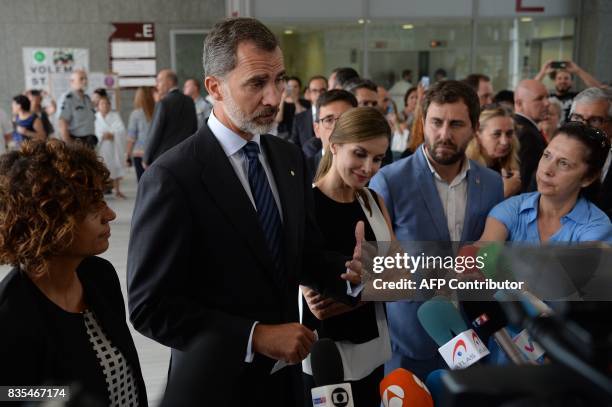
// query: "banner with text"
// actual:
[[40, 62]]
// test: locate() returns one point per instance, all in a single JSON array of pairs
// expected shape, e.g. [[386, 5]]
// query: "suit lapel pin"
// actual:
[[292, 173]]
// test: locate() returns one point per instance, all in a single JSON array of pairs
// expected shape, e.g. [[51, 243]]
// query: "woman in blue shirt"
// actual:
[[568, 175], [27, 124]]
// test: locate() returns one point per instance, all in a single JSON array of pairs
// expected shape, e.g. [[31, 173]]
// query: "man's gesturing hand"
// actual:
[[288, 342]]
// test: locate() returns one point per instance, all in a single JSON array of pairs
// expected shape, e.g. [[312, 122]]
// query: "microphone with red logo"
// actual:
[[490, 320], [401, 388], [328, 375], [459, 346]]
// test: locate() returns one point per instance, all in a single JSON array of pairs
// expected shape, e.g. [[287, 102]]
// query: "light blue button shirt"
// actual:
[[584, 223]]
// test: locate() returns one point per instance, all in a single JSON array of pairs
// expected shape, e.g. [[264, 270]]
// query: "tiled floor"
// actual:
[[153, 357]]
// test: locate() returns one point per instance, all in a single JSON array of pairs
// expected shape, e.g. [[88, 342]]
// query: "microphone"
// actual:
[[435, 385], [533, 307], [496, 262], [328, 375], [549, 333], [490, 320], [401, 388], [497, 268], [468, 263], [459, 346]]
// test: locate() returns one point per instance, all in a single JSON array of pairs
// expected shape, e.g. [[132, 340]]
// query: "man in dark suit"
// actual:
[[223, 229], [593, 106], [329, 107], [174, 118], [531, 106], [302, 129]]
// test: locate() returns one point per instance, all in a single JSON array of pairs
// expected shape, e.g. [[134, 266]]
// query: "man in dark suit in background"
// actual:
[[531, 106], [302, 130], [223, 228], [174, 118], [329, 107], [593, 106]]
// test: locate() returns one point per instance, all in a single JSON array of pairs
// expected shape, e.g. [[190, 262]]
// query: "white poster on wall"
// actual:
[[40, 62]]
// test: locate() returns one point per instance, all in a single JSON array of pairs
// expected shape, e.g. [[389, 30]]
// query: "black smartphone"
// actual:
[[558, 65]]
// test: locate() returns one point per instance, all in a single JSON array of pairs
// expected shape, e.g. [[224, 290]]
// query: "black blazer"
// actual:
[[302, 129], [198, 259], [605, 195], [530, 152], [34, 351], [312, 164], [173, 121], [312, 147]]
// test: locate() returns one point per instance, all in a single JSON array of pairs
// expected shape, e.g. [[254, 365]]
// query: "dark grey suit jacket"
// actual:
[[302, 129], [198, 259], [532, 146], [174, 120], [604, 201]]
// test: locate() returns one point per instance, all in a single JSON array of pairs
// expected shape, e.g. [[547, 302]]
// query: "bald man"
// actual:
[[530, 106], [174, 118], [77, 116]]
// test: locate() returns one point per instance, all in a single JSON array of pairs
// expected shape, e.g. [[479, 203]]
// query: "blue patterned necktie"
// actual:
[[267, 211]]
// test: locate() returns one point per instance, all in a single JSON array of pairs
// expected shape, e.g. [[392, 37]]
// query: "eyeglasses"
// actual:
[[315, 90], [329, 122], [368, 103], [593, 121]]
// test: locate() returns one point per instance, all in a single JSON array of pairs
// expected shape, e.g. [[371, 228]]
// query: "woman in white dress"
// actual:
[[110, 131]]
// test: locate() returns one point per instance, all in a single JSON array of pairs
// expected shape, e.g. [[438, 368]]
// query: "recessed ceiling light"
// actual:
[[408, 26], [288, 32], [361, 21], [526, 19]]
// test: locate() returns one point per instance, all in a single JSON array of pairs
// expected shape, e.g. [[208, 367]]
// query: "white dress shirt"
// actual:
[[453, 197], [232, 145]]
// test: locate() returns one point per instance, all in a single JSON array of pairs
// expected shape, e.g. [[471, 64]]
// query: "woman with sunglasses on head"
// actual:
[[354, 154], [62, 314], [568, 178], [496, 146]]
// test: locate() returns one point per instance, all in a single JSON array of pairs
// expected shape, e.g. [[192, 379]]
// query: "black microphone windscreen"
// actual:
[[326, 363], [487, 317]]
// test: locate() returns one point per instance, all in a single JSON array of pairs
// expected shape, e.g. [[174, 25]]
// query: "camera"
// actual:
[[558, 64]]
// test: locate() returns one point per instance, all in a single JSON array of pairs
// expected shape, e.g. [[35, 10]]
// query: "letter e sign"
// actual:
[[147, 30]]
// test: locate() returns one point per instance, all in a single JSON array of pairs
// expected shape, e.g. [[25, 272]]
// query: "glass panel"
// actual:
[[509, 50], [317, 48], [188, 55], [422, 47]]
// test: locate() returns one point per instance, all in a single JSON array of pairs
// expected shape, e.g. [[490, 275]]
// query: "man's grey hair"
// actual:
[[593, 95], [221, 43]]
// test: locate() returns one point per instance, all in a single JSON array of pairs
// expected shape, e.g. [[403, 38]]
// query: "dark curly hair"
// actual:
[[46, 188]]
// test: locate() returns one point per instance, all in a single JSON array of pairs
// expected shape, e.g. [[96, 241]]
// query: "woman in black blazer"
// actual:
[[62, 314]]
